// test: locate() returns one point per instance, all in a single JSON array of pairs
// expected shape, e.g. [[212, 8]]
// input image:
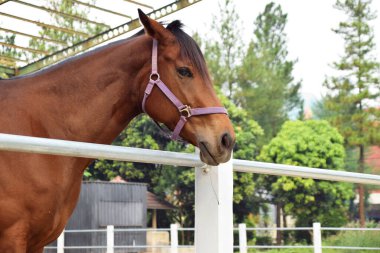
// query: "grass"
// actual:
[[356, 239], [281, 251], [344, 238], [285, 251]]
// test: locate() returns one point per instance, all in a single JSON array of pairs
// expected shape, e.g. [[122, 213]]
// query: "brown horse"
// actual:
[[92, 98]]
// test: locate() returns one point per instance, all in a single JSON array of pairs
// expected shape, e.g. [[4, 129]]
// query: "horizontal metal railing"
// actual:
[[174, 245], [28, 144], [306, 172], [96, 151]]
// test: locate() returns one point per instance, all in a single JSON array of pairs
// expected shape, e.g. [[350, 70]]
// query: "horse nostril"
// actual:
[[227, 141]]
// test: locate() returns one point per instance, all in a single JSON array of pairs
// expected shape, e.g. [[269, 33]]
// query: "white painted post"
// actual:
[[317, 238], [242, 238], [110, 239], [213, 209], [173, 238], [61, 242]]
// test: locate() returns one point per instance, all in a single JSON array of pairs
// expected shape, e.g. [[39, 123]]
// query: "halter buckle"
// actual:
[[185, 111]]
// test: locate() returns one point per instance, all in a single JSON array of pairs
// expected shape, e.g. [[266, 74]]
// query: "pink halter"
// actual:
[[185, 111]]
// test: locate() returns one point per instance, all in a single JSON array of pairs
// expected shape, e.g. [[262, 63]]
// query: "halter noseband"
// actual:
[[185, 111]]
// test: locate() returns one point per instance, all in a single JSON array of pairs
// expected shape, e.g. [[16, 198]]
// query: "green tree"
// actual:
[[320, 110], [353, 92], [7, 53], [223, 51], [312, 144], [268, 90]]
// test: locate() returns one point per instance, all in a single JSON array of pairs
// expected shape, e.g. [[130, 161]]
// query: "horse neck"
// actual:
[[93, 97]]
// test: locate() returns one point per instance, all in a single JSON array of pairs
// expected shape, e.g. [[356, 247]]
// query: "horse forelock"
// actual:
[[189, 48]]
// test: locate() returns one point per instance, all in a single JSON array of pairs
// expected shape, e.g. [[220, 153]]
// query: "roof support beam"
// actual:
[[36, 51], [11, 59], [101, 9], [33, 36], [59, 13], [138, 3], [62, 29], [7, 70]]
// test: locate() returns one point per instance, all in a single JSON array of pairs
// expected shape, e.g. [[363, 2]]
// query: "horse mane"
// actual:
[[189, 48]]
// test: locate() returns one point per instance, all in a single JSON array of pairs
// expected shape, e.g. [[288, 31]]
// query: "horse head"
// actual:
[[185, 100]]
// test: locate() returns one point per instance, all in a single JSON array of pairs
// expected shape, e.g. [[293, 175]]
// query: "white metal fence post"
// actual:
[[61, 242], [242, 238], [173, 238], [110, 239], [317, 238], [213, 209]]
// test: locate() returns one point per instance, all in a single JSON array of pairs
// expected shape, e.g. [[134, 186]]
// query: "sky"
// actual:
[[310, 39]]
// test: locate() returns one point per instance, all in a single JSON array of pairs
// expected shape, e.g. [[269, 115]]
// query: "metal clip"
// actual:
[[185, 111], [205, 169]]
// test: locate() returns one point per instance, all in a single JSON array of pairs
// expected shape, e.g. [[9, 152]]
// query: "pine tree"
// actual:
[[223, 52], [268, 89], [353, 93]]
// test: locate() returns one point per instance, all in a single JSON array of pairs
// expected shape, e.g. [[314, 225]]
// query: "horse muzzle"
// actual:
[[219, 152]]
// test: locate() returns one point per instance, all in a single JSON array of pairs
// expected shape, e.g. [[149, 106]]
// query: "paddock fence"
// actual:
[[172, 245], [213, 184]]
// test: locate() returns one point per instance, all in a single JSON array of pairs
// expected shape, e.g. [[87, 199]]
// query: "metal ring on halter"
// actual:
[[154, 74], [185, 111]]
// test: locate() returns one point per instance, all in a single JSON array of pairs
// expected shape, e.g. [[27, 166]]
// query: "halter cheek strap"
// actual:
[[185, 111]]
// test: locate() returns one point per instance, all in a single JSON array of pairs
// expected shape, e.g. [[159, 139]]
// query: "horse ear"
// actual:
[[155, 29]]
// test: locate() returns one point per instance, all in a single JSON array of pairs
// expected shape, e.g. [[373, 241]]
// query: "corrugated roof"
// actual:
[[153, 202], [111, 182]]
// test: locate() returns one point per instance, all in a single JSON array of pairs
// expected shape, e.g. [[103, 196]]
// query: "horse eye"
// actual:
[[185, 72]]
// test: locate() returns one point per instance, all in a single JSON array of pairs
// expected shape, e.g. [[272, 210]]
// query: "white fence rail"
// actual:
[[89, 150], [173, 245], [214, 185], [317, 238]]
